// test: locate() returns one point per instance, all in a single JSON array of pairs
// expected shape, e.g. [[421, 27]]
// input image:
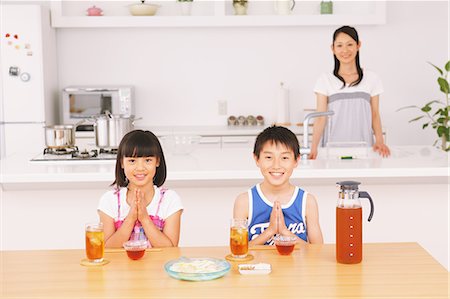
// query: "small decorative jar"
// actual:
[[94, 11], [326, 7]]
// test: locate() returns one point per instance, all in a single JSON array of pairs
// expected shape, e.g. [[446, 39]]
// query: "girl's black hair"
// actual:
[[139, 143], [277, 135], [354, 35]]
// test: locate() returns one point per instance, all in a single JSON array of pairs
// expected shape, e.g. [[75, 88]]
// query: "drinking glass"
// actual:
[[95, 242], [239, 238]]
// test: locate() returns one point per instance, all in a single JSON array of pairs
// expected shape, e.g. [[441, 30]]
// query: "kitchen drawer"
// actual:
[[238, 141]]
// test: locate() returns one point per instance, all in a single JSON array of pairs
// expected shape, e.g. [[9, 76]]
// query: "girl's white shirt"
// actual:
[[170, 204]]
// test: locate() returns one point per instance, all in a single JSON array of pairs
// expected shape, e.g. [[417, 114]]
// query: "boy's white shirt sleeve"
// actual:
[[321, 85], [171, 203], [108, 204]]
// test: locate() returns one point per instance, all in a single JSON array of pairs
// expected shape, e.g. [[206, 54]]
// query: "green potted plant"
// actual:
[[436, 112]]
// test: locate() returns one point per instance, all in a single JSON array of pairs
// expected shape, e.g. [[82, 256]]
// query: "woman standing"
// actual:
[[353, 94]]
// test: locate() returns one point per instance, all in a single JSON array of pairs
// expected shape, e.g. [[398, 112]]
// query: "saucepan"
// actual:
[[60, 136], [109, 129]]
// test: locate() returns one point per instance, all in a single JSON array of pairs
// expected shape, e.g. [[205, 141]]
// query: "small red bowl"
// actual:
[[135, 249], [285, 244]]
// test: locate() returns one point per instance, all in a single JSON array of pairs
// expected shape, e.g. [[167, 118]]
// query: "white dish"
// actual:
[[255, 269]]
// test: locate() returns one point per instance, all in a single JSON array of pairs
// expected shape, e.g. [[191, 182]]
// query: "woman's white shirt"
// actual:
[[352, 119]]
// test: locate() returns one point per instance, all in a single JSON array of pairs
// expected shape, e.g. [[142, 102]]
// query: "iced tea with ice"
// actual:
[[95, 242], [239, 238]]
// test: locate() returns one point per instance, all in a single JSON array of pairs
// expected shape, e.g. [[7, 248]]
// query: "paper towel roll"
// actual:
[[282, 105]]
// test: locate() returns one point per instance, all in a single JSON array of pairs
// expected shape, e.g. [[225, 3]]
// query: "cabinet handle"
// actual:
[[236, 140], [217, 141]]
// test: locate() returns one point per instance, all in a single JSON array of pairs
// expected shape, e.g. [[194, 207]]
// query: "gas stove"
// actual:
[[72, 154]]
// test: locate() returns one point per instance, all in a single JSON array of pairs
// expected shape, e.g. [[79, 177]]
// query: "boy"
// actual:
[[275, 206]]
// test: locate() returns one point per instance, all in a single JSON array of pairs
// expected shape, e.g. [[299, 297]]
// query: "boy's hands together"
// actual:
[[276, 222]]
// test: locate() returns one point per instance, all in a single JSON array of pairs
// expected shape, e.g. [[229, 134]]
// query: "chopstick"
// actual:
[[268, 247], [115, 250]]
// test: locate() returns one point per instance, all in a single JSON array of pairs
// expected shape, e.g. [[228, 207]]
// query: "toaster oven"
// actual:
[[85, 102]]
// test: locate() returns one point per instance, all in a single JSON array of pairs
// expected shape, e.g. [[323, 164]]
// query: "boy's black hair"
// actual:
[[277, 135], [139, 143]]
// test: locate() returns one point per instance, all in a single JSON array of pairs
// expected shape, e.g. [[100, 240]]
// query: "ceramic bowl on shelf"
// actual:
[[143, 9]]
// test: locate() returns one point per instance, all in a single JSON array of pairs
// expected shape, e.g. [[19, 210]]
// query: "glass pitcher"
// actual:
[[349, 222]]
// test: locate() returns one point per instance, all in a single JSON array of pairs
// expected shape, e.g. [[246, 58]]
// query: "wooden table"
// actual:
[[388, 270]]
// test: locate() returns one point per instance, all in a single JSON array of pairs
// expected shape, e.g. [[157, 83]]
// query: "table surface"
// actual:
[[388, 270]]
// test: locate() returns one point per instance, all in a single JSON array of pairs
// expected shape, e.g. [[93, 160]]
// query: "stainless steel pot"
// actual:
[[60, 136], [109, 129]]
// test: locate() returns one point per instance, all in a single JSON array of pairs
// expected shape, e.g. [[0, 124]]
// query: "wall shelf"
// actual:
[[221, 15]]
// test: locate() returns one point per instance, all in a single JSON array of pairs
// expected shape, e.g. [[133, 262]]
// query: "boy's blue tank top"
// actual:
[[259, 210]]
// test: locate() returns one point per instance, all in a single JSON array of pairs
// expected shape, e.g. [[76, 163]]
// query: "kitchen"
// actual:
[[193, 68]]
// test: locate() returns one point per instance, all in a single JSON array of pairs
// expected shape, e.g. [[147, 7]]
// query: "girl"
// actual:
[[353, 95], [138, 208]]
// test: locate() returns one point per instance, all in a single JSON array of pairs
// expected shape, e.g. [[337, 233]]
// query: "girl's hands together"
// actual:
[[133, 208], [142, 214]]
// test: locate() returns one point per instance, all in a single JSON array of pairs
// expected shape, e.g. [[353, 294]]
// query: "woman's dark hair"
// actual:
[[139, 143], [277, 135], [354, 35]]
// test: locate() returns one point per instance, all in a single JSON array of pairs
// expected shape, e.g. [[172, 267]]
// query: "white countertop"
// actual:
[[234, 166]]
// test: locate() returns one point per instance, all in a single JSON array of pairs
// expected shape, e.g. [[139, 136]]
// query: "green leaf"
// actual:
[[439, 111], [425, 125], [417, 118], [441, 130], [443, 85], [447, 66], [426, 108], [438, 69], [441, 120]]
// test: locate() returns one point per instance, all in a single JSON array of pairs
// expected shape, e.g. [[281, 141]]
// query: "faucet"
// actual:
[[305, 150]]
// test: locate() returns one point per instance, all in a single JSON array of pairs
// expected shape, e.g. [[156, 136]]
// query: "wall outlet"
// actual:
[[222, 107]]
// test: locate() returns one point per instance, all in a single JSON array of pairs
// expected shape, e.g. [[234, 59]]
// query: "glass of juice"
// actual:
[[95, 242], [239, 238]]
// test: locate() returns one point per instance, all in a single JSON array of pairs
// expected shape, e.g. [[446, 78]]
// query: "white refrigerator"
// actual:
[[28, 82]]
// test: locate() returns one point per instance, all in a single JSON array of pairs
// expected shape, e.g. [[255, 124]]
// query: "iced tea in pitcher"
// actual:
[[349, 226], [349, 235]]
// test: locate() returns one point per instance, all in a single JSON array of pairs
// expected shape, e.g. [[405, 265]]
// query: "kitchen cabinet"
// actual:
[[72, 14]]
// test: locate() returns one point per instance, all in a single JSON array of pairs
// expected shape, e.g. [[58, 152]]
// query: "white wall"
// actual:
[[181, 73]]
